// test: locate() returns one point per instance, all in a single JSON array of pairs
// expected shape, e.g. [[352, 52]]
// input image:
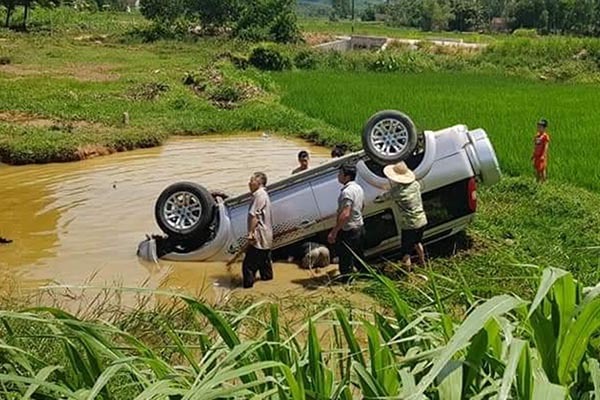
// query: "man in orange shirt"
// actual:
[[540, 150]]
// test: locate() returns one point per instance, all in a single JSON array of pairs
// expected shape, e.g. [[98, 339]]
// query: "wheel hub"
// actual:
[[389, 137], [182, 211]]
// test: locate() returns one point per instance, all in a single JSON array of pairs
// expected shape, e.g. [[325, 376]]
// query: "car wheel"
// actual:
[[184, 211], [389, 137]]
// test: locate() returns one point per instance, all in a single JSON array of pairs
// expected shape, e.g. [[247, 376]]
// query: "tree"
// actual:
[[468, 15], [435, 15], [341, 8], [27, 5], [268, 20], [405, 13], [163, 11], [10, 6]]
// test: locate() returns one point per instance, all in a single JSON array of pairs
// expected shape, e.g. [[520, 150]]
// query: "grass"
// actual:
[[71, 81], [505, 346], [518, 224], [67, 87], [507, 108]]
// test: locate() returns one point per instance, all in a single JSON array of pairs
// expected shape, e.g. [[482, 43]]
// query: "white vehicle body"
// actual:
[[304, 205]]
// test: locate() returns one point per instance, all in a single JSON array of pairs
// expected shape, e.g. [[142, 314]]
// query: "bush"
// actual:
[[305, 59], [386, 64], [522, 32], [285, 28], [269, 59], [225, 94]]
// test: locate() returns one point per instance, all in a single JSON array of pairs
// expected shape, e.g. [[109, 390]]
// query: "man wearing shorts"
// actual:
[[406, 192]]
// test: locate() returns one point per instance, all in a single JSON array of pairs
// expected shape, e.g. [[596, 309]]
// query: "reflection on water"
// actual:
[[71, 221]]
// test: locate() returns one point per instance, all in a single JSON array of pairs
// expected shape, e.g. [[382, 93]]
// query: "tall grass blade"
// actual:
[[355, 350], [41, 376], [104, 378], [525, 375], [473, 360], [549, 277], [382, 361], [370, 388], [548, 391], [217, 321], [492, 308], [40, 383], [595, 373], [161, 390], [565, 296], [315, 361], [451, 381], [575, 344], [510, 372]]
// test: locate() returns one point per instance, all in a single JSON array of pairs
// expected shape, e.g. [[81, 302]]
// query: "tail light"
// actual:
[[472, 194]]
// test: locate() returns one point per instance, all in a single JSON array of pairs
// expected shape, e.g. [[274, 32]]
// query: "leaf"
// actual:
[[369, 386], [525, 375], [595, 374], [514, 355], [104, 378], [548, 391], [41, 376], [549, 276], [32, 381], [565, 295], [355, 350], [450, 387], [576, 341], [492, 308], [545, 342], [477, 350], [315, 360]]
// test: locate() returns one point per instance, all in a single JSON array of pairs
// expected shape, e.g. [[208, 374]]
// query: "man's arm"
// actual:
[[252, 224], [342, 218]]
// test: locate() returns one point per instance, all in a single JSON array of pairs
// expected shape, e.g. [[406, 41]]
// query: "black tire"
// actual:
[[404, 137], [198, 222]]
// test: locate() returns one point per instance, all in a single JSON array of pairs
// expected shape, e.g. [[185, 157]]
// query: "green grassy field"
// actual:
[[67, 86], [506, 108]]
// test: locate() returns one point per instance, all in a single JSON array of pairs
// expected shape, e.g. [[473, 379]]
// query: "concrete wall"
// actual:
[[347, 43], [337, 45], [367, 42]]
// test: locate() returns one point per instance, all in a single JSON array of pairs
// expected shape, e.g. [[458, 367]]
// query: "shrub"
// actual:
[[386, 64], [225, 93], [522, 32], [285, 28], [269, 59], [305, 59]]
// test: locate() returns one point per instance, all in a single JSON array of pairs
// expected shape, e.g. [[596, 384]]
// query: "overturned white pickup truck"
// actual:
[[448, 164]]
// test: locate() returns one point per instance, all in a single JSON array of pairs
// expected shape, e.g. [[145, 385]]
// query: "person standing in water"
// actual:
[[303, 158]]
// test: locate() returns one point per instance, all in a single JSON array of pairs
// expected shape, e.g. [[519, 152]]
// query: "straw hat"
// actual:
[[399, 173]]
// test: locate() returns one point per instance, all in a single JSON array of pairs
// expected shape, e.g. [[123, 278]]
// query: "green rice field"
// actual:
[[507, 108]]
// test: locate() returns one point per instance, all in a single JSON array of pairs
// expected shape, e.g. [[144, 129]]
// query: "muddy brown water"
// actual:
[[80, 223]]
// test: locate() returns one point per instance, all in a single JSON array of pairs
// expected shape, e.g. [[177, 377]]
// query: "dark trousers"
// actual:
[[354, 239], [256, 260]]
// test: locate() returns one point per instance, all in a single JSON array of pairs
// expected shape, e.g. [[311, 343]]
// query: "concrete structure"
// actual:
[[346, 43]]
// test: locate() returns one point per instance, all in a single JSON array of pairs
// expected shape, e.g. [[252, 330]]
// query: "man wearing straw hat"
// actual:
[[406, 192]]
